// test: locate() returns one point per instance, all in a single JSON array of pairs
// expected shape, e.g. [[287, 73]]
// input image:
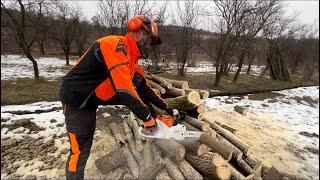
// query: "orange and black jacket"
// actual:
[[107, 74]]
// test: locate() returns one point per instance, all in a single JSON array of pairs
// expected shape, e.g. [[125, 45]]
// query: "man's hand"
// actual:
[[150, 126], [171, 111]]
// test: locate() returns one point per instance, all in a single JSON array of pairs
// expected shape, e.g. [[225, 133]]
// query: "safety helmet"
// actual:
[[141, 21]]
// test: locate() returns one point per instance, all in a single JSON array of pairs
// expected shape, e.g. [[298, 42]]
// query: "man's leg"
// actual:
[[80, 127]]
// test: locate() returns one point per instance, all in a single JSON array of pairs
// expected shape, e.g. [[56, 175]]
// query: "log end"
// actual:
[[223, 170], [201, 109], [200, 116], [194, 98], [185, 86], [205, 95], [202, 149]]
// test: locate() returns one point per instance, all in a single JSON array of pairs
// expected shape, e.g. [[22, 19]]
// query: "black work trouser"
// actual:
[[80, 127]]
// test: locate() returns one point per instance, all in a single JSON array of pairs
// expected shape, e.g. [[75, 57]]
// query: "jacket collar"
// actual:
[[133, 49]]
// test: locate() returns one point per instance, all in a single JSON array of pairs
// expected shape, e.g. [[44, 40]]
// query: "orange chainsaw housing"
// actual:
[[166, 119]]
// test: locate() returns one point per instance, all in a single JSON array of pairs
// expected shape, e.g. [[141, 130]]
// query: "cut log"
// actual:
[[163, 175], [210, 164], [200, 116], [129, 139], [245, 167], [252, 162], [186, 102], [111, 161], [203, 93], [172, 169], [235, 174], [117, 134], [194, 147], [188, 171], [179, 84], [160, 80], [189, 127], [231, 129], [156, 91], [230, 137], [147, 154], [151, 172], [240, 110], [175, 92], [171, 148], [131, 162], [158, 87], [138, 138], [198, 124], [237, 153], [201, 109], [216, 146]]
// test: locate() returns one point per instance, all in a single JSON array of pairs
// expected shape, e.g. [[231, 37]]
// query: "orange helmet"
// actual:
[[141, 21]]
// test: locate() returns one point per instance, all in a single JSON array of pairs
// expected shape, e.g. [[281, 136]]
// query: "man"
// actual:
[[107, 74]]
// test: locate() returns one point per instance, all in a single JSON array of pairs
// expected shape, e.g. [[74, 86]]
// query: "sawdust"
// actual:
[[272, 142]]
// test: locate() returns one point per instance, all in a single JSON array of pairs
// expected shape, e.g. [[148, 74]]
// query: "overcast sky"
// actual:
[[309, 10]]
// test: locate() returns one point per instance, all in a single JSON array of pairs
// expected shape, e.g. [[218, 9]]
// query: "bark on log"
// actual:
[[203, 93], [131, 162], [117, 134], [200, 116], [186, 102], [138, 138], [198, 124], [170, 166], [252, 162], [230, 137], [163, 175], [210, 164], [171, 148], [194, 147], [237, 153], [175, 92], [158, 87], [189, 126], [235, 174], [132, 145], [179, 84], [151, 172], [232, 130], [188, 171], [201, 109], [111, 161], [245, 167], [216, 146], [160, 80], [147, 154]]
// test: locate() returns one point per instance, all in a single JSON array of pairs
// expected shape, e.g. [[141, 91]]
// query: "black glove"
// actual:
[[171, 111]]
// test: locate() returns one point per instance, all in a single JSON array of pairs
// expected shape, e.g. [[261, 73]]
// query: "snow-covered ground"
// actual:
[[286, 120], [16, 66]]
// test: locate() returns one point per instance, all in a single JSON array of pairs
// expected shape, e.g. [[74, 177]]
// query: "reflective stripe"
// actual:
[[75, 153]]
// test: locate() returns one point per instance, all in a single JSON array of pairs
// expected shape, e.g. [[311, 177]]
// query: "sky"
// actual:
[[309, 10]]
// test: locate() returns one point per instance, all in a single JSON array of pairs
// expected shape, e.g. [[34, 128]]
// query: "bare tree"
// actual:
[[187, 13], [64, 27], [24, 16], [82, 36]]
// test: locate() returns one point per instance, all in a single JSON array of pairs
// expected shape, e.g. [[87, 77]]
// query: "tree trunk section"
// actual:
[[194, 147], [216, 146], [117, 134], [188, 171], [210, 164], [198, 124], [160, 80], [236, 152], [111, 161], [158, 87], [171, 148], [131, 163], [186, 102], [175, 92]]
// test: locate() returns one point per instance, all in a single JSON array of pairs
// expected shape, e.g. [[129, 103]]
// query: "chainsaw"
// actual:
[[169, 127]]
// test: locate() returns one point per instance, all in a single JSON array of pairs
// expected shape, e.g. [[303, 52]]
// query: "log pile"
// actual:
[[217, 154]]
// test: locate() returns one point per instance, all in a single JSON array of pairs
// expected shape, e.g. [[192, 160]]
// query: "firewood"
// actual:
[[170, 166], [240, 110], [189, 127], [194, 147], [200, 116], [131, 163], [156, 91], [210, 164], [245, 167], [237, 153], [111, 161], [163, 175], [235, 174], [230, 137], [252, 162], [198, 124], [216, 146], [147, 154], [172, 149], [203, 93], [151, 172], [179, 84], [158, 87], [117, 134], [186, 102], [175, 92], [188, 171], [231, 129], [137, 136], [129, 139], [160, 80], [201, 109]]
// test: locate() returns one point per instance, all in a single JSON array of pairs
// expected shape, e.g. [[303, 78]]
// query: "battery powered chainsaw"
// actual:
[[169, 127]]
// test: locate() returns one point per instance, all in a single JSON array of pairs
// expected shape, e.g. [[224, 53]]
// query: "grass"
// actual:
[[27, 90], [307, 99], [263, 96]]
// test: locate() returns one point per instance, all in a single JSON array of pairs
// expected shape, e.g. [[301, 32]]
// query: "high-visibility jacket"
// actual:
[[108, 73]]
